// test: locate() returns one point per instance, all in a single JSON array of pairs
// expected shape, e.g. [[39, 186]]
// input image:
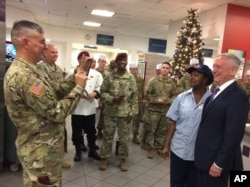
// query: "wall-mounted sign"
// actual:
[[157, 45], [238, 53], [208, 52], [241, 54], [141, 58], [102, 39]]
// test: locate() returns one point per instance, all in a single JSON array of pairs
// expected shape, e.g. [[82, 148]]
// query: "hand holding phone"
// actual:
[[85, 65], [89, 62]]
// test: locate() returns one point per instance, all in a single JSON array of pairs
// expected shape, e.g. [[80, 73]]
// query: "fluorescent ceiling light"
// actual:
[[92, 24], [217, 39], [104, 13], [90, 46]]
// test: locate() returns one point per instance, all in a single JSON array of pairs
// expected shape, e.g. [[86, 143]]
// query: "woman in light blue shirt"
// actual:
[[185, 115]]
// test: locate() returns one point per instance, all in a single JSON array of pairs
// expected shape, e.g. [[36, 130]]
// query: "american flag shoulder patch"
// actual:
[[37, 88]]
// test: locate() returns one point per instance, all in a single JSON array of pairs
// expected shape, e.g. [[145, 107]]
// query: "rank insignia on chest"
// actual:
[[37, 88]]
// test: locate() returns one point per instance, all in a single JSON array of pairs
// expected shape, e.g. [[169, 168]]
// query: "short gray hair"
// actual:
[[24, 28], [231, 58]]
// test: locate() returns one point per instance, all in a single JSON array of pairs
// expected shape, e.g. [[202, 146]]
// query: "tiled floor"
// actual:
[[142, 172]]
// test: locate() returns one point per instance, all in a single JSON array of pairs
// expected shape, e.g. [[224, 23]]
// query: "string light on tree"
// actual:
[[189, 44]]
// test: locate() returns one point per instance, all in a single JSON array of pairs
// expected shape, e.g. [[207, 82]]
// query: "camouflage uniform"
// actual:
[[107, 71], [101, 103], [115, 114], [56, 76], [243, 86], [137, 118], [144, 114], [247, 88], [156, 123], [39, 116], [182, 85], [54, 72]]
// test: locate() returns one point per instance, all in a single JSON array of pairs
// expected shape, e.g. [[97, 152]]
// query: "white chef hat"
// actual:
[[102, 57], [158, 66], [248, 72], [193, 61], [132, 65]]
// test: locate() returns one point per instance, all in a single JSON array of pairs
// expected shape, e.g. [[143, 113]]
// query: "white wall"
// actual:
[[213, 22], [213, 25], [12, 14], [65, 37]]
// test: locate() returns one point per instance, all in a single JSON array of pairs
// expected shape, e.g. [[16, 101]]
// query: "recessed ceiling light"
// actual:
[[92, 24], [104, 13]]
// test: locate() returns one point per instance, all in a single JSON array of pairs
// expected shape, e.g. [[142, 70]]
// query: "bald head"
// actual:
[[50, 54]]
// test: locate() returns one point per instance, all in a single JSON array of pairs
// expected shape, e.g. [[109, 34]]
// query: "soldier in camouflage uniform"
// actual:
[[56, 75], [242, 85], [35, 110], [119, 92], [144, 109], [101, 69], [112, 65], [247, 83], [159, 94], [182, 84], [49, 66], [247, 88], [140, 85]]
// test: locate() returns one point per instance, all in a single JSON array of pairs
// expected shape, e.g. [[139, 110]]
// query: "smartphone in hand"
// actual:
[[89, 62]]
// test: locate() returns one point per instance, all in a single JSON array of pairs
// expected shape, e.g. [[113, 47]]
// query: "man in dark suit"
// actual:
[[222, 126]]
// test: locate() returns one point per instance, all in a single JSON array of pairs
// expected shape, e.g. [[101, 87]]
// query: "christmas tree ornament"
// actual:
[[189, 44]]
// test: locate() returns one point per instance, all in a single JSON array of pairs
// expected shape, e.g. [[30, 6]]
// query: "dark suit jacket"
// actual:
[[221, 130]]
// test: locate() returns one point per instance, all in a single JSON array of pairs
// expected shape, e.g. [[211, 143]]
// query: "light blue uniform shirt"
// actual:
[[187, 115]]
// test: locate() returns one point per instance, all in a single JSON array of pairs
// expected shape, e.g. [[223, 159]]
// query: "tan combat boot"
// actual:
[[103, 164], [135, 139], [123, 165], [66, 164], [143, 145], [150, 153], [159, 152]]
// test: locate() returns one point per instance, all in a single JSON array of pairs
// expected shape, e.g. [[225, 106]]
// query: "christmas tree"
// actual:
[[189, 44]]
